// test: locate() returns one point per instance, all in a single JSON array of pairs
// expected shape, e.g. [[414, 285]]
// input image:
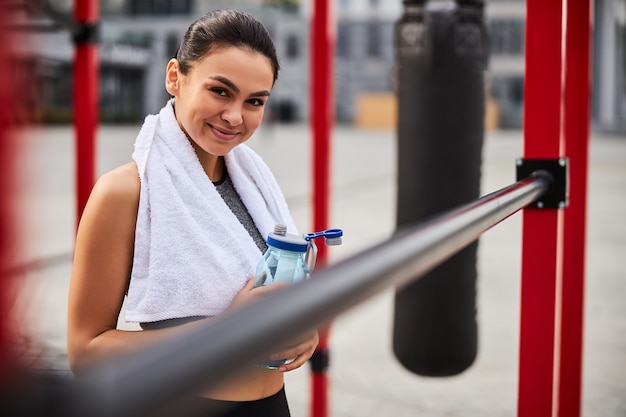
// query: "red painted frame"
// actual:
[[322, 121], [86, 104], [540, 228], [9, 239], [577, 86], [556, 123]]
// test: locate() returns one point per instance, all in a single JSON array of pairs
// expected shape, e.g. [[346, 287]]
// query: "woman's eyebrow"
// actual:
[[233, 87], [263, 93], [225, 81]]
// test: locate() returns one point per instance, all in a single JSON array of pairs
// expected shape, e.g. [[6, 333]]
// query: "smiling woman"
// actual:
[[220, 102], [177, 232]]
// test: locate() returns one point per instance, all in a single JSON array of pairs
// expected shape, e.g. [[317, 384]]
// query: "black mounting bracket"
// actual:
[[557, 195], [86, 32], [320, 360]]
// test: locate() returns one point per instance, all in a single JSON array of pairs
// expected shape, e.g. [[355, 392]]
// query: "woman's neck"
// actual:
[[213, 165]]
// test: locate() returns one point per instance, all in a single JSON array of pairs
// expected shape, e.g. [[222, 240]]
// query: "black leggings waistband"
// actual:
[[273, 406]]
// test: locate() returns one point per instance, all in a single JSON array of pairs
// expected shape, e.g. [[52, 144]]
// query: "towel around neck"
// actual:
[[192, 255]]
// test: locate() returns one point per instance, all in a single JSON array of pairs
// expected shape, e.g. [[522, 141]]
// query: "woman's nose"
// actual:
[[233, 115]]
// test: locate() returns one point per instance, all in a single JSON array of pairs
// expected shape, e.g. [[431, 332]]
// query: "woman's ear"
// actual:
[[172, 77]]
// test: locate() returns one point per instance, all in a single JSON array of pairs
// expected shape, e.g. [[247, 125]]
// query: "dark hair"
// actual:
[[223, 29]]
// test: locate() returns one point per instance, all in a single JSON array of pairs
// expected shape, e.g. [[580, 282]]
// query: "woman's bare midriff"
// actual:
[[247, 384], [252, 384]]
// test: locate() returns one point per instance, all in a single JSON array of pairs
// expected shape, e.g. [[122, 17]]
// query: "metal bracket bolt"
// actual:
[[557, 196]]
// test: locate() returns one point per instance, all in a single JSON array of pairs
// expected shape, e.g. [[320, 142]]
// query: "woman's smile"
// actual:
[[223, 133]]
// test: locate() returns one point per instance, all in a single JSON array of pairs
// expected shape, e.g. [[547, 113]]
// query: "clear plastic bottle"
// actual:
[[284, 260], [288, 259]]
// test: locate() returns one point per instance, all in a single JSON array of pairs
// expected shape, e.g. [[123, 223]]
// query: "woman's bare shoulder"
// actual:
[[116, 191], [119, 183], [113, 201]]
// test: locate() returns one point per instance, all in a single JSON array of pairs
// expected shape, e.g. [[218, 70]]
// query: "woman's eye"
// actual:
[[220, 92], [256, 102]]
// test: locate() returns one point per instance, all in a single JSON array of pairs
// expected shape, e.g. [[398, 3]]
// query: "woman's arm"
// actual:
[[101, 271]]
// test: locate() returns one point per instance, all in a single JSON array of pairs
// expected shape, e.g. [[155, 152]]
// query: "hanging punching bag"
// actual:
[[441, 55]]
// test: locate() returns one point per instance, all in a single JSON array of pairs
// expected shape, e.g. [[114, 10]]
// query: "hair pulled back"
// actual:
[[223, 29]]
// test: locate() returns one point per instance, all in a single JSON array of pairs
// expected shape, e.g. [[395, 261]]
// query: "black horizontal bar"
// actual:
[[145, 381]]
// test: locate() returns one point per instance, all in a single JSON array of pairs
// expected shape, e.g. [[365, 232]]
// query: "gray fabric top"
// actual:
[[231, 198]]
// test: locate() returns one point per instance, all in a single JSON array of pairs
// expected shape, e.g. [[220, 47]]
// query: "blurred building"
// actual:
[[505, 21], [139, 36], [609, 66]]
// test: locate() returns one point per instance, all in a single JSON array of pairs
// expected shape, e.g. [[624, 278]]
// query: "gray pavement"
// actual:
[[365, 379]]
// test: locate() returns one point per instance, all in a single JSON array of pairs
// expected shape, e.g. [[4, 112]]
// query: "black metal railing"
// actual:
[[144, 382]]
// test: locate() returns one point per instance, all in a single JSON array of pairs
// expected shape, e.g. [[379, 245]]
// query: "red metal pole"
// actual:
[[86, 91], [541, 229], [322, 120], [8, 242], [576, 135], [322, 110]]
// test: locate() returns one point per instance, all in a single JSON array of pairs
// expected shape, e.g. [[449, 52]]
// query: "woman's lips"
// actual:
[[224, 134]]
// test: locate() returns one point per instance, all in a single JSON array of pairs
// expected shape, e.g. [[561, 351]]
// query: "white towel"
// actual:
[[192, 254]]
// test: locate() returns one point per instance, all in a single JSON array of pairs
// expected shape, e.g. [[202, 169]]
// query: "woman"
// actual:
[[179, 230]]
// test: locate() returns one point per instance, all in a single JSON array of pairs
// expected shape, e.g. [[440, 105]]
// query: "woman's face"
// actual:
[[221, 100]]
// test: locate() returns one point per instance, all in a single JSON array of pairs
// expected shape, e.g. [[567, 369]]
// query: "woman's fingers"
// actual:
[[301, 352]]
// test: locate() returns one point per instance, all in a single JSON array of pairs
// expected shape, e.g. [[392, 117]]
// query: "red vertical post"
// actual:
[[541, 229], [322, 121], [9, 101], [322, 110], [86, 92], [577, 86]]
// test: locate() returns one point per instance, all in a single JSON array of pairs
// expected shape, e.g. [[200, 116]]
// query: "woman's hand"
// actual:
[[248, 293], [301, 350]]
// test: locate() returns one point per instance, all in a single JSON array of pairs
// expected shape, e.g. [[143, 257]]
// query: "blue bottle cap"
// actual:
[[293, 243]]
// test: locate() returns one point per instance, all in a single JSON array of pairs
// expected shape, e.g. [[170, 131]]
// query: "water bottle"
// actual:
[[284, 260], [288, 259]]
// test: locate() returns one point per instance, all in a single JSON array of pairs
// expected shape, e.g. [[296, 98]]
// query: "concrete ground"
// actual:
[[365, 378]]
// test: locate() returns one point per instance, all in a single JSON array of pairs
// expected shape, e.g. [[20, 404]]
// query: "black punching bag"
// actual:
[[441, 55]]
